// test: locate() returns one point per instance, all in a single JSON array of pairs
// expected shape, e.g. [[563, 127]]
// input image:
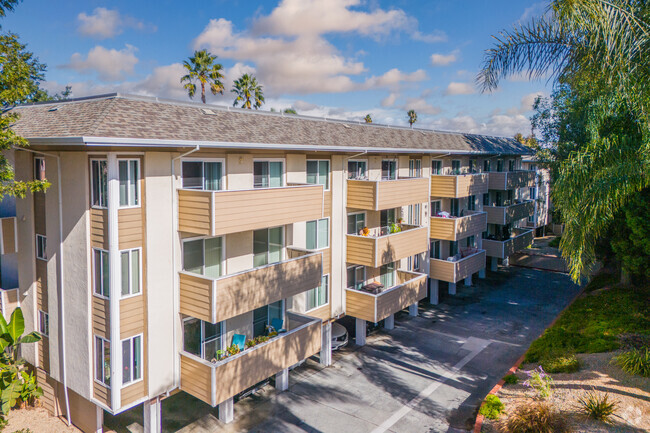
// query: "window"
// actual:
[[357, 170], [486, 165], [203, 256], [436, 167], [414, 214], [130, 264], [99, 182], [318, 234], [267, 246], [498, 198], [388, 169], [41, 251], [434, 250], [532, 167], [455, 166], [436, 207], [263, 316], [455, 207], [205, 175], [532, 193], [318, 173], [43, 323], [356, 223], [100, 273], [499, 165], [472, 166], [531, 218], [202, 339], [129, 186], [387, 275], [131, 359], [415, 168], [486, 199], [511, 165], [453, 248], [471, 241], [471, 202], [39, 168], [387, 217], [102, 361], [356, 277], [267, 174], [318, 297], [413, 263]]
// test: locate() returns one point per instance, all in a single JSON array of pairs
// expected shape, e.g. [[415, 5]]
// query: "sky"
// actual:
[[327, 58]]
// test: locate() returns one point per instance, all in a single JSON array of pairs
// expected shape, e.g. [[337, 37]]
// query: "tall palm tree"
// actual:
[[601, 49], [202, 68], [247, 88], [412, 117]]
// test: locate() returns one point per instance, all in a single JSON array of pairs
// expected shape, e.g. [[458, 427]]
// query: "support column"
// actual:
[[326, 345], [433, 291], [282, 380], [413, 309], [468, 281], [361, 332], [506, 261], [481, 273], [493, 264], [452, 288], [99, 428], [152, 416], [389, 322], [227, 411]]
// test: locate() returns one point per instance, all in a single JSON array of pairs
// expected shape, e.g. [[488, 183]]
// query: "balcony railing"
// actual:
[[503, 180], [458, 185], [454, 271], [455, 228], [386, 194], [214, 213], [379, 249], [215, 382], [410, 288], [217, 299], [502, 248], [509, 213]]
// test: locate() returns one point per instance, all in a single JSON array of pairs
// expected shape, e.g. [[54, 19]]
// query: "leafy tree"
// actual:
[[368, 119], [412, 117], [201, 67], [247, 88], [290, 111], [7, 6]]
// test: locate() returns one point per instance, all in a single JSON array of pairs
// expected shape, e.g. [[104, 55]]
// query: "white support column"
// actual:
[[115, 278], [481, 273], [326, 345], [413, 309], [494, 264], [282, 380], [452, 288], [361, 332], [468, 281], [434, 297], [152, 416], [99, 426], [506, 261], [227, 411], [389, 322]]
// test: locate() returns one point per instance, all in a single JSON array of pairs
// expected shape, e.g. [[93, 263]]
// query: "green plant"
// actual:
[[273, 334], [510, 379], [492, 407], [561, 364], [540, 382], [233, 350], [635, 362], [538, 417], [395, 228], [251, 343], [220, 354], [555, 242], [597, 406]]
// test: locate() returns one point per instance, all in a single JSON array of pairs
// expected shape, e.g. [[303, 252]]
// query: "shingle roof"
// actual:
[[136, 117]]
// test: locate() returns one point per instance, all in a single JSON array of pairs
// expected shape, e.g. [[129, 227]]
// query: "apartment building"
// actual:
[[174, 231], [540, 193]]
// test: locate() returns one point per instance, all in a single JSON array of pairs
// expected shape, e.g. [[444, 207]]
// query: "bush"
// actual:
[[510, 379], [635, 362], [492, 407], [561, 364], [597, 406], [540, 382], [538, 417], [555, 242]]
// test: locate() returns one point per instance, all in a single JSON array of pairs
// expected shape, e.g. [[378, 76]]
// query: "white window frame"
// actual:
[[92, 181], [131, 338], [92, 258], [414, 214], [460, 166], [415, 170], [284, 171], [431, 205], [532, 196], [105, 343], [327, 292], [39, 161], [222, 336], [329, 171], [41, 255], [365, 219], [438, 241], [43, 323], [223, 252], [328, 233], [410, 263], [439, 169], [282, 249], [394, 160], [137, 183], [203, 160], [130, 251], [355, 267], [365, 174]]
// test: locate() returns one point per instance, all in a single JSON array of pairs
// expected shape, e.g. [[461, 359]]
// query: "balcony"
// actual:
[[381, 247], [455, 228], [214, 213], [387, 194], [503, 215], [8, 235], [504, 180], [215, 382], [458, 185], [217, 299], [472, 261], [504, 248], [410, 288]]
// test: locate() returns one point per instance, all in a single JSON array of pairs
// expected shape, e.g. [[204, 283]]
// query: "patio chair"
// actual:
[[239, 340], [276, 324]]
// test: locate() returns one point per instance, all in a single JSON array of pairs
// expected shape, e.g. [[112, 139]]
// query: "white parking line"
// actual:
[[477, 344]]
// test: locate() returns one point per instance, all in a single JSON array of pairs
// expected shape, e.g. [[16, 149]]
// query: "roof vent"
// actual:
[[208, 111], [55, 108]]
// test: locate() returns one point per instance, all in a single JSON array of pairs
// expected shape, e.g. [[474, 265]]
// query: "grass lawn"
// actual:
[[593, 322]]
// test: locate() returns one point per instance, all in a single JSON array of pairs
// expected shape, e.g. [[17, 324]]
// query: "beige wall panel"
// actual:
[[9, 241], [401, 297], [239, 252], [194, 212], [323, 313], [472, 184], [470, 265], [132, 320], [196, 379], [242, 324], [519, 211], [39, 213], [471, 225], [495, 215], [402, 192], [396, 246], [360, 250], [361, 194], [240, 171], [493, 248], [442, 270], [442, 228], [42, 297], [443, 186], [327, 203], [99, 228], [360, 305], [102, 394], [83, 413], [49, 387], [132, 393], [327, 261], [101, 317], [130, 228], [44, 354], [196, 296]]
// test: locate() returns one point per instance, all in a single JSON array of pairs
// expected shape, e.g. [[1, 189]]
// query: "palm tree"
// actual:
[[246, 87], [368, 119], [412, 117], [202, 68], [600, 49]]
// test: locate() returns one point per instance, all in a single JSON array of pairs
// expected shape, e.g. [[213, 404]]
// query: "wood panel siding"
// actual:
[[101, 317], [195, 211], [8, 238], [453, 229], [324, 313], [453, 272], [197, 296], [457, 186], [49, 387], [378, 251], [493, 248], [99, 228], [44, 354], [361, 305], [39, 213], [386, 194], [130, 228], [41, 285], [503, 215], [132, 393], [197, 378], [511, 179], [132, 321], [9, 301], [101, 393]]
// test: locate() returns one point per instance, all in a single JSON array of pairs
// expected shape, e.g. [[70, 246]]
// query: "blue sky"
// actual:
[[335, 58]]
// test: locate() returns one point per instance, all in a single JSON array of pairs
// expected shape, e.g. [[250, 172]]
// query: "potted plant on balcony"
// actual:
[[395, 228], [365, 231]]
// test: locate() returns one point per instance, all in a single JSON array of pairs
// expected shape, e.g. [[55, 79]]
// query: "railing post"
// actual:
[[326, 345], [360, 325]]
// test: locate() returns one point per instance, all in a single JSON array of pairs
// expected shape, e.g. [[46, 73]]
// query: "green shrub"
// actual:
[[597, 406], [510, 379], [635, 362], [555, 242], [538, 417], [540, 382], [492, 407], [561, 364]]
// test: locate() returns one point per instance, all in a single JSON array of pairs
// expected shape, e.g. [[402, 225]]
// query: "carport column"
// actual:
[[481, 273], [468, 280], [99, 427], [326, 345], [152, 416], [452, 288], [506, 261], [226, 411], [413, 309], [433, 291], [360, 332], [493, 264], [282, 380], [389, 322]]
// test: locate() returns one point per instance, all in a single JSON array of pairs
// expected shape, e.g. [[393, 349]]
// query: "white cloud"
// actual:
[[528, 100], [436, 36], [105, 23], [421, 106], [395, 77], [444, 59], [389, 100], [534, 11], [108, 64], [455, 88], [503, 125]]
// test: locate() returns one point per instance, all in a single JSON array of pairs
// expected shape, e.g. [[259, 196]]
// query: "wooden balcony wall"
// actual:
[[503, 249], [214, 300], [505, 180], [214, 383], [386, 194], [8, 235], [411, 287], [457, 186], [378, 251], [453, 272], [453, 229], [215, 213], [503, 215]]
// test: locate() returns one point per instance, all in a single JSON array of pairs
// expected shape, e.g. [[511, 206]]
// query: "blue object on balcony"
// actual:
[[239, 340], [276, 324]]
